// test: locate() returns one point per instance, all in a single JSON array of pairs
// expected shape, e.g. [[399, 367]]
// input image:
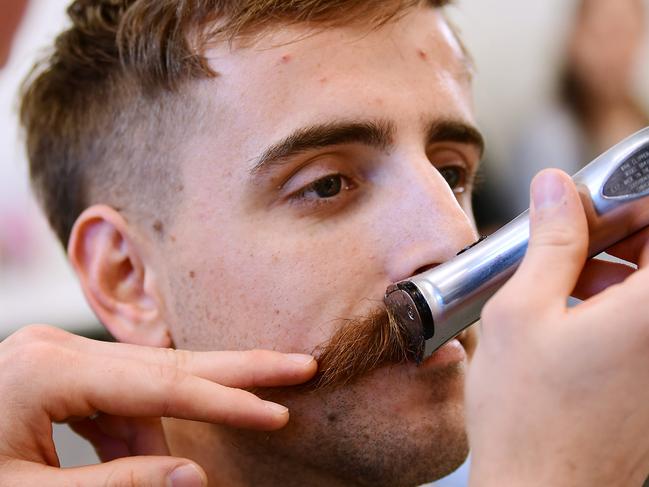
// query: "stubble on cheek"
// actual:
[[370, 430], [364, 417]]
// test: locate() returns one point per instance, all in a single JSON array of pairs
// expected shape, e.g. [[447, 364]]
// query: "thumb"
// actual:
[[558, 244], [125, 472]]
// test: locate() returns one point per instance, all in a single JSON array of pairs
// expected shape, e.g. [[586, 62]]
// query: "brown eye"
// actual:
[[331, 191], [328, 187], [453, 177]]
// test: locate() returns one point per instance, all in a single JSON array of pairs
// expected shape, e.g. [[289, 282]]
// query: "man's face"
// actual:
[[321, 177]]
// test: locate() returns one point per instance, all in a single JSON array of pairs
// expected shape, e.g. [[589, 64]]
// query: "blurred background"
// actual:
[[557, 82]]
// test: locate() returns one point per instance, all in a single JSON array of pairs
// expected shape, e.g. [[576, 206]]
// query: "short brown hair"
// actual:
[[96, 112]]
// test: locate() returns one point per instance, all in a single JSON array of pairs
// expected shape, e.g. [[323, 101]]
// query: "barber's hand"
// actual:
[[560, 396], [48, 375]]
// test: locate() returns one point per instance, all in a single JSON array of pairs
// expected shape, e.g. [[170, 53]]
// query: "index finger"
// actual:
[[84, 385], [252, 368], [243, 369]]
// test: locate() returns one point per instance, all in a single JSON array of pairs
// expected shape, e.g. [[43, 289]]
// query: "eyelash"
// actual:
[[300, 197], [464, 183]]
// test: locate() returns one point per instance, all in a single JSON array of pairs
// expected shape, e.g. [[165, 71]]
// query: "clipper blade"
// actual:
[[404, 316]]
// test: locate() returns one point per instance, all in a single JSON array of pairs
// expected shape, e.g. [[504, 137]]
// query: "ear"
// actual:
[[116, 280]]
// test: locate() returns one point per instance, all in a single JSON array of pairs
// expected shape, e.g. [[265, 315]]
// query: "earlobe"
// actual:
[[119, 285]]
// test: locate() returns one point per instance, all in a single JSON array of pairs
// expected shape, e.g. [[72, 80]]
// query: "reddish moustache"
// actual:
[[361, 346]]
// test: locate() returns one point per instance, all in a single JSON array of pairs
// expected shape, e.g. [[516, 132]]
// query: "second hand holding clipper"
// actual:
[[438, 304]]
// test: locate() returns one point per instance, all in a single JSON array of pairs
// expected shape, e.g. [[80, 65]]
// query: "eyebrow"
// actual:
[[455, 131], [378, 134]]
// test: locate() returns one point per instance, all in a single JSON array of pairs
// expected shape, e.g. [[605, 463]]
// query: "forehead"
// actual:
[[410, 69]]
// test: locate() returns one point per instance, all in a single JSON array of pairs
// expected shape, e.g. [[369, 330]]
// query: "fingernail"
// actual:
[[277, 409], [548, 190], [185, 476], [300, 358]]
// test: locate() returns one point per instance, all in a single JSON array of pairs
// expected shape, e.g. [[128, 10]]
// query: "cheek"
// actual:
[[275, 293]]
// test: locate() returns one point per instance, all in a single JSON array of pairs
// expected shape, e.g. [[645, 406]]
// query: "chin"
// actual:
[[399, 426]]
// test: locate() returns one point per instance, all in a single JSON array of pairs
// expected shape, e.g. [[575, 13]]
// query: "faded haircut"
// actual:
[[107, 112]]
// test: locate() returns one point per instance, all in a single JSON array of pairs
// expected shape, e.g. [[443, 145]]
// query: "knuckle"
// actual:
[[258, 356], [168, 382], [36, 333], [555, 236], [180, 359], [133, 480], [166, 375], [261, 365], [26, 358], [35, 353], [121, 478]]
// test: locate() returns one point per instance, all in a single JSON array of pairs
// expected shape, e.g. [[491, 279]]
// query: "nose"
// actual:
[[423, 222]]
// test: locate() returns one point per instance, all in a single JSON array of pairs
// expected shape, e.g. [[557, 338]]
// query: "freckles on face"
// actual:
[[277, 277], [283, 81], [286, 58], [277, 260]]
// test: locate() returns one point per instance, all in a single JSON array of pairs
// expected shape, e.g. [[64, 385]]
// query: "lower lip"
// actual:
[[451, 352]]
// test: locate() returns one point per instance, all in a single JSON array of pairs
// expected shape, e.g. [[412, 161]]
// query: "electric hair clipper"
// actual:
[[438, 304]]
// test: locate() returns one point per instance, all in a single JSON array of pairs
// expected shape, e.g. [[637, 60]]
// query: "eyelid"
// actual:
[[348, 164], [466, 154], [315, 205], [322, 157], [347, 184], [469, 154]]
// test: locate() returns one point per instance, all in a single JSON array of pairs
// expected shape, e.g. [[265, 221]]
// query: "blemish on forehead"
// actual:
[[323, 80], [158, 228], [286, 58], [192, 274], [423, 55]]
